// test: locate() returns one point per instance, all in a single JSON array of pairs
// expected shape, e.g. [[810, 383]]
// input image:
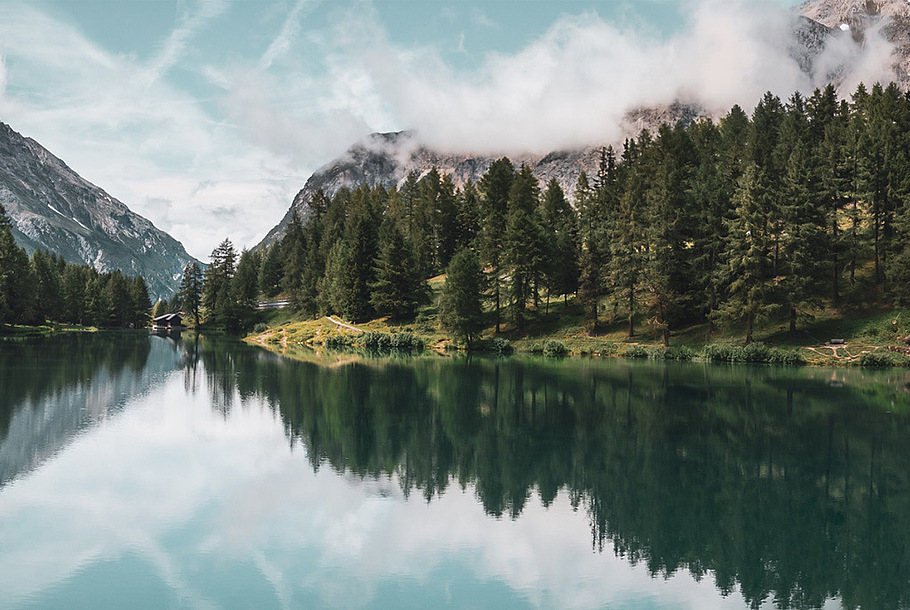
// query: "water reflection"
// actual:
[[52, 389], [784, 485], [791, 484]]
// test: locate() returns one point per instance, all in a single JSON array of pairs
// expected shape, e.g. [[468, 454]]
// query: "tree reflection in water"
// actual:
[[784, 481]]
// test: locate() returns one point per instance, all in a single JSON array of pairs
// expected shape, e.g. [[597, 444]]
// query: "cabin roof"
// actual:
[[168, 317]]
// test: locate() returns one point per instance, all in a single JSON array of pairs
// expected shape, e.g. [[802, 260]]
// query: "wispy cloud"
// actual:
[[479, 17], [286, 37], [191, 18]]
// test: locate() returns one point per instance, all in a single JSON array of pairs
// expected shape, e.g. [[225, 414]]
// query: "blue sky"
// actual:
[[207, 116]]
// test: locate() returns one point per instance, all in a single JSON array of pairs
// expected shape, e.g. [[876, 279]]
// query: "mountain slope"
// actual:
[[386, 159], [53, 208]]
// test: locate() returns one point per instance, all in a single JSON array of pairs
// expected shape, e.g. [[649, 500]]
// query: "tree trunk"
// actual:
[[631, 310], [496, 293], [750, 319], [792, 321], [836, 293]]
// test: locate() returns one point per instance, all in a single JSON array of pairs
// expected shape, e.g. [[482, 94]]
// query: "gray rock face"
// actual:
[[53, 208], [386, 159], [858, 16]]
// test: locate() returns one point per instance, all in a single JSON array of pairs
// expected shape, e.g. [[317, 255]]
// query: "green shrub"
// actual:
[[501, 346], [882, 358], [377, 342], [787, 358], [535, 348], [337, 341], [679, 352], [260, 328], [637, 351], [753, 353], [552, 347], [405, 341]]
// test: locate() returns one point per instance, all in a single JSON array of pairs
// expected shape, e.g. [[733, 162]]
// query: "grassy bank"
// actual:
[[852, 336], [18, 331]]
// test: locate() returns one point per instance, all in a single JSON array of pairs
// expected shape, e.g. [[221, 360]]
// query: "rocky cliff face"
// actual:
[[386, 159], [53, 208], [859, 16]]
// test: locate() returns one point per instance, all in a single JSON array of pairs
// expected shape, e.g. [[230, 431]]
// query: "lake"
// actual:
[[143, 471]]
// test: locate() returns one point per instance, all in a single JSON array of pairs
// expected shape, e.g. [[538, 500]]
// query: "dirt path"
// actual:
[[335, 320]]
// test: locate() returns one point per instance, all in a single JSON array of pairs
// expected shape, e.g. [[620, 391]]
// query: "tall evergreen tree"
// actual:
[[398, 289], [460, 310], [190, 291], [749, 279], [560, 229], [523, 247], [16, 280], [495, 185], [217, 297]]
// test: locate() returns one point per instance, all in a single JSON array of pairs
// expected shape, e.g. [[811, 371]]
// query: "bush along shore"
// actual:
[[874, 341]]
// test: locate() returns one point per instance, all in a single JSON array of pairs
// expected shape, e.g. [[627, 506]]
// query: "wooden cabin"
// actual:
[[168, 321]]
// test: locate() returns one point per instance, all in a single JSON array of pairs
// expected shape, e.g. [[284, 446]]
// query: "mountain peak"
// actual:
[[53, 208]]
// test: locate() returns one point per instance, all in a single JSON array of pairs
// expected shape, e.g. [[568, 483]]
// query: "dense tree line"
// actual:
[[225, 294], [47, 288], [802, 205]]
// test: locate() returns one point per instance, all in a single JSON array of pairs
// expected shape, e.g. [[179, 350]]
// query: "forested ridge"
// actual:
[[801, 206], [47, 288]]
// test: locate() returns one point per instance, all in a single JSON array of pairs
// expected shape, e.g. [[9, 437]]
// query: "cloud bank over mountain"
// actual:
[[211, 128]]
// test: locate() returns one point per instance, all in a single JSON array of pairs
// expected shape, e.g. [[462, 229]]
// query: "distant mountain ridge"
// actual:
[[55, 209], [386, 159]]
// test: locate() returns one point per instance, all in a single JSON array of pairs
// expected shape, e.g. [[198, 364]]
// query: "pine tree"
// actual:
[[17, 286], [560, 228], [460, 310], [216, 286], [140, 303], [398, 289], [628, 246], [748, 278], [468, 216], [190, 291], [445, 223], [245, 283], [271, 272], [495, 185], [800, 274], [523, 248], [119, 303]]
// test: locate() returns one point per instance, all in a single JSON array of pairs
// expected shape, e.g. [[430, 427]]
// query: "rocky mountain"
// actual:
[[53, 208], [858, 16], [387, 158]]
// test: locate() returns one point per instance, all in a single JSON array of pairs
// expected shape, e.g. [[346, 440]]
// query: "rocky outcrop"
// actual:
[[53, 208]]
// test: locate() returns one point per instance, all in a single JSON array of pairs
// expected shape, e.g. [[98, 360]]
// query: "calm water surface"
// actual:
[[153, 472]]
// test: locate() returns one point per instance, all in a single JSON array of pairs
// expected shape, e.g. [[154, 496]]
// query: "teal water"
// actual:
[[151, 472]]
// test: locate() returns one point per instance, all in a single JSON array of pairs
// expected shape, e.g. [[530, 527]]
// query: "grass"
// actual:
[[871, 334], [18, 331]]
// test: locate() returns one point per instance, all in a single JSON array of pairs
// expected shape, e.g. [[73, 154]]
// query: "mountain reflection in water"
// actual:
[[789, 485]]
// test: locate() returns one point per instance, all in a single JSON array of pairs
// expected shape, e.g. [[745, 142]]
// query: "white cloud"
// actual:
[[574, 84], [263, 124]]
